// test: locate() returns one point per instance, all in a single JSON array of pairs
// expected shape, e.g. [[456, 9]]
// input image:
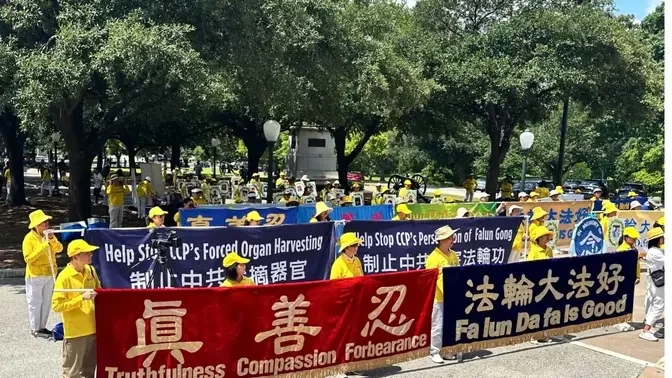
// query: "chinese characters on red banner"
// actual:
[[322, 327]]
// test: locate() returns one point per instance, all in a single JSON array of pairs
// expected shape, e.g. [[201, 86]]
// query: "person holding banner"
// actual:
[[442, 256], [347, 265], [555, 196], [73, 298], [537, 219], [285, 196], [187, 203], [534, 197], [322, 212], [437, 197], [39, 252], [235, 271], [539, 249], [253, 219], [402, 212], [654, 302], [157, 216]]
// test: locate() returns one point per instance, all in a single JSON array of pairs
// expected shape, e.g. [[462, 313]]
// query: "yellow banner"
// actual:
[[567, 215], [642, 220]]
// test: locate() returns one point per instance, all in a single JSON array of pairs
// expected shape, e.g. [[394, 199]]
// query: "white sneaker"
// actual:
[[648, 336], [436, 358]]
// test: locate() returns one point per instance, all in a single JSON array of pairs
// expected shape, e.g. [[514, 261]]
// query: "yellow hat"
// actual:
[[253, 216], [292, 199], [346, 199], [355, 185], [541, 231], [348, 239], [282, 174], [407, 182], [255, 174], [437, 193], [632, 194], [534, 194], [402, 208], [559, 189], [156, 211], [321, 207], [234, 258], [655, 233], [37, 217], [661, 221], [631, 232], [538, 213], [444, 232], [610, 208], [79, 246]]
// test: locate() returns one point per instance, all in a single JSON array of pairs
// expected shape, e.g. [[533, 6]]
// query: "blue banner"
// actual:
[[624, 203], [394, 246], [208, 216], [349, 213], [290, 253], [506, 304]]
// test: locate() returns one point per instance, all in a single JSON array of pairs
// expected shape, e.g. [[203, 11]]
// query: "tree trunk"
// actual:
[[494, 165], [14, 141], [256, 146], [99, 162], [557, 176], [175, 154], [81, 152], [342, 160]]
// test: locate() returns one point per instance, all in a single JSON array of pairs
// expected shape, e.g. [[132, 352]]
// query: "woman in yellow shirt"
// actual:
[[506, 188], [629, 243], [403, 212], [537, 219], [610, 211], [539, 249], [442, 256], [157, 217], [322, 212], [347, 265], [253, 219], [39, 253], [235, 271]]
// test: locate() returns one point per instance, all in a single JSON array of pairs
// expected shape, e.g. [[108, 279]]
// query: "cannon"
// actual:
[[418, 183]]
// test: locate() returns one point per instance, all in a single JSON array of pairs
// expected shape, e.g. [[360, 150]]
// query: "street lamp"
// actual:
[[271, 132], [55, 137], [526, 141], [215, 143]]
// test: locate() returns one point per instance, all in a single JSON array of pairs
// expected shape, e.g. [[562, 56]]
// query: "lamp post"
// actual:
[[215, 143], [55, 137], [271, 132], [526, 141]]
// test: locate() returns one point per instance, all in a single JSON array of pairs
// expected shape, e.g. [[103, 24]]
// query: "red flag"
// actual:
[[305, 329]]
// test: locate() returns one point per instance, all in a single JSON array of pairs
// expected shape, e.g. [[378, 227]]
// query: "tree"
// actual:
[[515, 71]]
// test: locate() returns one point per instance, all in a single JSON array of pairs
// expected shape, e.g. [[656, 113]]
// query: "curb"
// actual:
[[12, 273]]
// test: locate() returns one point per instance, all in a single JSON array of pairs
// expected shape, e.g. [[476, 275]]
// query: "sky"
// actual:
[[639, 8]]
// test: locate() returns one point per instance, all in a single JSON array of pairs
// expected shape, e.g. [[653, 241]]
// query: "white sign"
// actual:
[[357, 198]]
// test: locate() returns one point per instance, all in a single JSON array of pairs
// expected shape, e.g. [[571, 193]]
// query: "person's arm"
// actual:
[[32, 249], [108, 189], [60, 301], [335, 270], [126, 189], [55, 245]]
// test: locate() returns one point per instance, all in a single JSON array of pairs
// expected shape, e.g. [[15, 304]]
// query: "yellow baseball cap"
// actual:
[[407, 182], [534, 194], [254, 216], [234, 258], [79, 246], [402, 208], [631, 232], [348, 239], [156, 211], [346, 199]]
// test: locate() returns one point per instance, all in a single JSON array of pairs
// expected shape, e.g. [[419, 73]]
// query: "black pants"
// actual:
[[96, 194]]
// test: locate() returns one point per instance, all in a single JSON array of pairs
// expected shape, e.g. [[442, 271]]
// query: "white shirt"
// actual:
[[97, 180], [655, 259]]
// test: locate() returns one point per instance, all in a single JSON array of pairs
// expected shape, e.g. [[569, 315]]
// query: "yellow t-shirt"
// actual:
[[313, 220], [8, 176], [200, 201], [115, 194], [246, 281], [438, 260], [469, 184], [507, 190], [626, 247], [35, 254], [46, 175], [543, 192], [518, 240], [539, 253], [176, 218], [402, 192], [343, 267], [604, 222], [79, 316], [533, 225]]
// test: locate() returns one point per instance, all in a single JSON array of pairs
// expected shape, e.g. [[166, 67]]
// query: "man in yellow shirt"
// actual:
[[115, 199], [39, 252], [470, 185], [402, 212], [157, 217], [442, 256], [78, 310], [347, 265], [145, 194], [281, 182]]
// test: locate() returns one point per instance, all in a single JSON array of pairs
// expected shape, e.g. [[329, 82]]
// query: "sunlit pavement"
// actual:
[[598, 353]]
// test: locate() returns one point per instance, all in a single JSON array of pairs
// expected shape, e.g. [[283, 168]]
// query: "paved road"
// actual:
[[25, 357]]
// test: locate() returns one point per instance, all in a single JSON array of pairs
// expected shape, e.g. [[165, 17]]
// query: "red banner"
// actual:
[[305, 329]]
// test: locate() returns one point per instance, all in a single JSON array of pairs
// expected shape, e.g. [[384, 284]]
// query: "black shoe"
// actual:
[[44, 331]]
